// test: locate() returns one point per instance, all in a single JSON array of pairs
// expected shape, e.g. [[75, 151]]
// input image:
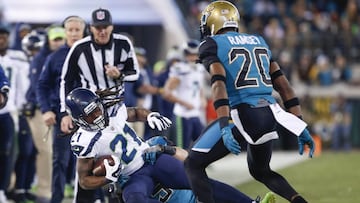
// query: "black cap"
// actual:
[[4, 29], [101, 17]]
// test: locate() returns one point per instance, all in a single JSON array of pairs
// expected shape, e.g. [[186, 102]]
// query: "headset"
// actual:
[[86, 29]]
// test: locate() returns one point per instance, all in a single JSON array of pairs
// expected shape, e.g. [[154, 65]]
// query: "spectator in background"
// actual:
[[49, 101], [342, 72], [40, 131], [21, 30], [341, 110], [4, 88], [33, 42], [26, 158], [322, 71], [185, 88], [165, 107], [16, 68], [173, 56], [4, 91], [140, 93], [274, 32]]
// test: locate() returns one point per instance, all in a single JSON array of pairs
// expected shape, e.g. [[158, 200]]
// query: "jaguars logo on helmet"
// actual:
[[218, 15]]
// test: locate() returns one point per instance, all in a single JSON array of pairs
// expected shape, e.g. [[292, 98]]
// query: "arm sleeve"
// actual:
[[68, 77], [43, 86], [131, 66], [208, 53]]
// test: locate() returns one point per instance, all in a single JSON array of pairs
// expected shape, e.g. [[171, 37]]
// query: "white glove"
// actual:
[[113, 172], [161, 122]]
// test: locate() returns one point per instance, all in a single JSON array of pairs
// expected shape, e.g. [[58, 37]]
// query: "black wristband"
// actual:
[[291, 103], [221, 102], [223, 121], [276, 74], [217, 77]]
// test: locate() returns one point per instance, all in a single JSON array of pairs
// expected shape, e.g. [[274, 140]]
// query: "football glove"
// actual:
[[306, 139], [122, 180], [229, 141], [113, 172], [114, 188], [157, 140], [154, 119], [150, 154]]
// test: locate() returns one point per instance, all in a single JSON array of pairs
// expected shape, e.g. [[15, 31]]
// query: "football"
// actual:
[[99, 167]]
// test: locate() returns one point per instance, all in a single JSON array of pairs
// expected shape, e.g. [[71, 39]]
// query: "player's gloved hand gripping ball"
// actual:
[[154, 119], [306, 139], [113, 171]]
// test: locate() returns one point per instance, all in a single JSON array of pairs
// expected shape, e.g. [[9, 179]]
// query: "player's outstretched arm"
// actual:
[[154, 119], [221, 104], [291, 103]]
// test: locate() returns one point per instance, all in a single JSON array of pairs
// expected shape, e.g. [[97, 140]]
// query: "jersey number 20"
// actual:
[[242, 80]]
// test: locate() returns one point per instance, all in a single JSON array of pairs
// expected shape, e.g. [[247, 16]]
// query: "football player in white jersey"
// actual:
[[16, 68], [104, 131], [184, 88]]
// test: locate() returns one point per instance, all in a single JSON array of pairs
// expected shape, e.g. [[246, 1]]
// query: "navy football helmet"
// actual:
[[191, 47], [33, 42], [86, 109]]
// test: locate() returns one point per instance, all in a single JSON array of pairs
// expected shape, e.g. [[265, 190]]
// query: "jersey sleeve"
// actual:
[[208, 52], [83, 144], [131, 66], [4, 82], [175, 70]]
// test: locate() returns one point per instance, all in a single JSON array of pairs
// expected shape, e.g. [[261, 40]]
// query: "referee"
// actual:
[[102, 60], [97, 61]]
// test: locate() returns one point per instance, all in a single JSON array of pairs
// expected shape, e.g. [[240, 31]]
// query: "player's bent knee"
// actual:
[[194, 162], [258, 173]]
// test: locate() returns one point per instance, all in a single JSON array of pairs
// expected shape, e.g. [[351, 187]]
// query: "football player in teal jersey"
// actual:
[[243, 77]]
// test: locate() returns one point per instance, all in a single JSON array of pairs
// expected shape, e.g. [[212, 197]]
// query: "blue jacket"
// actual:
[[48, 85], [36, 66]]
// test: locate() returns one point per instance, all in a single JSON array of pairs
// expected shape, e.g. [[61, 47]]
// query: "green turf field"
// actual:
[[332, 177]]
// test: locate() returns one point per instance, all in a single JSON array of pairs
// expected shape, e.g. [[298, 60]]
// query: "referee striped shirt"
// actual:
[[84, 65]]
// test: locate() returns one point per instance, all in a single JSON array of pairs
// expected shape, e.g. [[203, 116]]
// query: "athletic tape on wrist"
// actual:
[[291, 103]]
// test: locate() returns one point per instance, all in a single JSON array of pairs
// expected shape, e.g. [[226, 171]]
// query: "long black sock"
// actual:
[[298, 199]]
